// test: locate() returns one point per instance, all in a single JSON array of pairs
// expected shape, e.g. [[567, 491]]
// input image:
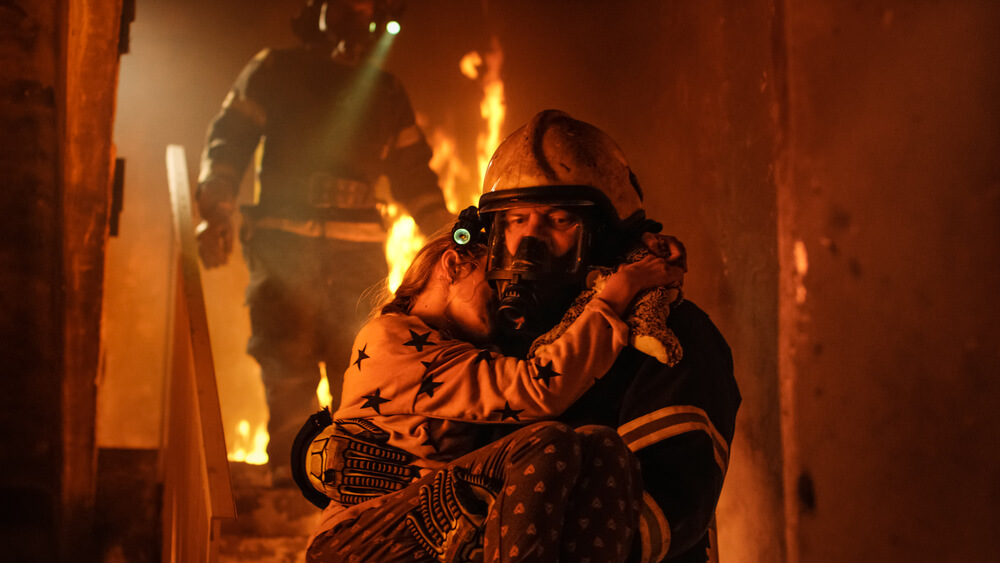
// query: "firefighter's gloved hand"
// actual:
[[215, 243], [667, 246], [448, 523], [350, 461], [216, 203]]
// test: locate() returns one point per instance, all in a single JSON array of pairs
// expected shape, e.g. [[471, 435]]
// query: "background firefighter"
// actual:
[[327, 125]]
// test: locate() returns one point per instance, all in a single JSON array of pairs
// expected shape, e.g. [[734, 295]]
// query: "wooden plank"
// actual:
[[216, 463], [185, 487]]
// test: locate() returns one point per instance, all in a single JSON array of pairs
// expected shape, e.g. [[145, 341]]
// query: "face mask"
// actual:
[[536, 260], [534, 287], [518, 299]]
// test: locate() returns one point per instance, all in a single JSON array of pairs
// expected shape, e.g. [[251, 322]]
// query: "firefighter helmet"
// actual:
[[351, 27], [556, 159]]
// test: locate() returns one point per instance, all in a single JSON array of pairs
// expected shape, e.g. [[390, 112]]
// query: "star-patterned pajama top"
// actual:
[[427, 389]]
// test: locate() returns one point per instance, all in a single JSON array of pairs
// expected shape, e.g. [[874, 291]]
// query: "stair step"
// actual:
[[272, 524], [241, 549]]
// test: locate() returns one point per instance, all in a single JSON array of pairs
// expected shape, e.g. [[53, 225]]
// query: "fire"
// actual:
[[402, 245], [323, 389], [246, 449], [459, 189], [493, 108], [253, 449], [453, 174]]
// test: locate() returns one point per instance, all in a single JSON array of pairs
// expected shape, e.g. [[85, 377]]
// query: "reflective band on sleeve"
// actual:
[[246, 107], [211, 170], [654, 531], [672, 421]]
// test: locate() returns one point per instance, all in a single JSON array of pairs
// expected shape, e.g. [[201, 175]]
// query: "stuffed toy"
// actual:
[[646, 317]]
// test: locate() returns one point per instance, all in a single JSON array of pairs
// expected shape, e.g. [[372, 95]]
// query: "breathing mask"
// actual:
[[537, 255]]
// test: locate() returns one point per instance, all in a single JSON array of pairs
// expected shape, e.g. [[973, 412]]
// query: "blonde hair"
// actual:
[[419, 273]]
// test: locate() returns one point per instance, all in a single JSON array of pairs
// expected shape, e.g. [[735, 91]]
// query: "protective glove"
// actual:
[[350, 462], [448, 524], [216, 203], [667, 246]]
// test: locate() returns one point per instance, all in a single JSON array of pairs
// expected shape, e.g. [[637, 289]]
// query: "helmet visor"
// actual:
[[538, 241]]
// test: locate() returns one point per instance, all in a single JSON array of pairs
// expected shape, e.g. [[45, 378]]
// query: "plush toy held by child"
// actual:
[[646, 318]]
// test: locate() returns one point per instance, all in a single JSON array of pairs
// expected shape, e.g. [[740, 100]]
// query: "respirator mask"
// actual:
[[536, 260]]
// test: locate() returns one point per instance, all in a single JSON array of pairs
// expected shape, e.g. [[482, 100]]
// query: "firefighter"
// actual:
[[325, 125], [678, 419]]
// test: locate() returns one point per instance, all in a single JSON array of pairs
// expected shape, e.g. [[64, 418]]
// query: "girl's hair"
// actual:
[[419, 273]]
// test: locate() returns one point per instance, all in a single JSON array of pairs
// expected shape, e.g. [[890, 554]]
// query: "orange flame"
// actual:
[[402, 245], [253, 449], [493, 108], [458, 188], [323, 389], [247, 449], [453, 174]]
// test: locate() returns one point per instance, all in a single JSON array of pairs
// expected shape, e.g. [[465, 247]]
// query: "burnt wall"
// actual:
[[890, 199], [30, 278], [58, 70]]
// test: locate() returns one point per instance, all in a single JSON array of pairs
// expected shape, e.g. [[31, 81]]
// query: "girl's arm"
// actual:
[[402, 366]]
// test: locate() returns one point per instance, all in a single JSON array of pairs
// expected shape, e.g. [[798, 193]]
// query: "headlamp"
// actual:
[[469, 228]]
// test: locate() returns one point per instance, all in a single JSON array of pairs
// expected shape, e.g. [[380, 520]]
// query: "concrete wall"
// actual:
[[58, 70], [890, 190]]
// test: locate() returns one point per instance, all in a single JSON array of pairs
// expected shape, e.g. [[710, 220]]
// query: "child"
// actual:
[[419, 376]]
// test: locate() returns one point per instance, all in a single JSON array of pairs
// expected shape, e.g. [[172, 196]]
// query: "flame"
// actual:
[[493, 107], [247, 450], [459, 189], [253, 449], [323, 389], [402, 245], [454, 175]]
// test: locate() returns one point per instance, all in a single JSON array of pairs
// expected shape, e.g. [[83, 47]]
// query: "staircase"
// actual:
[[272, 524]]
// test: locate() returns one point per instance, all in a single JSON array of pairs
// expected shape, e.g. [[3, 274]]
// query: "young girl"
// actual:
[[422, 376]]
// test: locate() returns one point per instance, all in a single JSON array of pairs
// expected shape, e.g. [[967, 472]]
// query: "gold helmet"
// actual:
[[556, 159]]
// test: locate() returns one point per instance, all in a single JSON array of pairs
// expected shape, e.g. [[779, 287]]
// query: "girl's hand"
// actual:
[[623, 285]]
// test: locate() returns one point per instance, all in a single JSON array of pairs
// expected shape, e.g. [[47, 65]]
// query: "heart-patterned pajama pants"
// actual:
[[544, 493]]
